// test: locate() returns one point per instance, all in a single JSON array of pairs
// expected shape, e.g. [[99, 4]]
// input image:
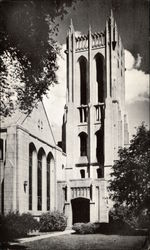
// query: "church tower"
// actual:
[[95, 125]]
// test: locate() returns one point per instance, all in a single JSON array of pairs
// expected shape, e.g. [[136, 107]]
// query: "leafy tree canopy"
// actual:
[[130, 184], [28, 50]]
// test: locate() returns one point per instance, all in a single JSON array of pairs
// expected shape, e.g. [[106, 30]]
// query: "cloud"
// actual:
[[136, 81], [132, 62], [129, 60], [138, 61]]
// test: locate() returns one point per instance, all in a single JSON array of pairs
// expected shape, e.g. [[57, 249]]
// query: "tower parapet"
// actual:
[[82, 42]]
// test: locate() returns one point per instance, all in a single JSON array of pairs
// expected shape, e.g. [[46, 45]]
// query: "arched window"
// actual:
[[100, 77], [39, 179], [83, 144], [82, 172], [49, 157], [50, 182], [83, 80], [99, 173], [100, 146], [31, 151], [1, 149]]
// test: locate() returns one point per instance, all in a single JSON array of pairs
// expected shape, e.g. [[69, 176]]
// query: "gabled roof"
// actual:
[[36, 123]]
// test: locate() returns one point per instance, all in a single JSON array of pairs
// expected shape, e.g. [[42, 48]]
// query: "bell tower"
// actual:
[[95, 120]]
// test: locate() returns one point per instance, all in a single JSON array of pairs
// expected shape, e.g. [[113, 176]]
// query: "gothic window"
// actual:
[[1, 149], [100, 146], [83, 111], [30, 180], [65, 193], [118, 63], [31, 151], [39, 179], [83, 144], [48, 182], [100, 77], [40, 125], [83, 80], [99, 173], [82, 172]]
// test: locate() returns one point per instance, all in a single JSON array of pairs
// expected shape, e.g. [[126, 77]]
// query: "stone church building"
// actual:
[[35, 174], [30, 164]]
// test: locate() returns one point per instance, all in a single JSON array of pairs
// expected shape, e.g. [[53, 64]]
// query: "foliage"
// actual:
[[13, 225], [123, 215], [53, 221], [28, 32], [84, 228], [130, 183], [122, 220], [143, 220]]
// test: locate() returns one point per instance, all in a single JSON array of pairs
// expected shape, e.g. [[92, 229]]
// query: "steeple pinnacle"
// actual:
[[89, 28], [111, 14], [71, 27], [112, 17]]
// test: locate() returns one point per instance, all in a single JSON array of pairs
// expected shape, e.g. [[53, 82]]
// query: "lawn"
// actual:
[[87, 242]]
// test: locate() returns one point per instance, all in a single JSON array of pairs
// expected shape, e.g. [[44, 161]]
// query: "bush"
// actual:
[[84, 228], [102, 227], [53, 221], [13, 225], [29, 222], [124, 221], [144, 220], [123, 214]]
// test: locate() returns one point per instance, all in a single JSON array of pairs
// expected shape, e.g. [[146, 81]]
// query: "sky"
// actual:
[[132, 19]]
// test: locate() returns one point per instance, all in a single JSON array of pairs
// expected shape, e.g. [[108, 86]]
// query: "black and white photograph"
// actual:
[[74, 125]]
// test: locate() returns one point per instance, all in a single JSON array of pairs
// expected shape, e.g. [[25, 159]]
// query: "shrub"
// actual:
[[84, 228], [13, 225], [123, 214], [102, 227], [124, 221], [53, 221], [144, 220], [30, 222]]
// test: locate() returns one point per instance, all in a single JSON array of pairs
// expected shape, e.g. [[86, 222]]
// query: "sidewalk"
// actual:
[[43, 236]]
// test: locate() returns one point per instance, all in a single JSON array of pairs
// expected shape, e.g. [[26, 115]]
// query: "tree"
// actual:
[[27, 41], [130, 183]]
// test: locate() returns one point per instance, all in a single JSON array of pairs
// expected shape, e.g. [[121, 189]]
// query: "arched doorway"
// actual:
[[80, 210]]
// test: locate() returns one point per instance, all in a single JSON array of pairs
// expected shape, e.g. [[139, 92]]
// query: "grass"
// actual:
[[87, 242]]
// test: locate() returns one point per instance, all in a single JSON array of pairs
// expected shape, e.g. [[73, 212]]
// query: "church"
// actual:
[[36, 175]]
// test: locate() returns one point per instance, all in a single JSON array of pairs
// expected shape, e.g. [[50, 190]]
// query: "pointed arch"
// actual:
[[32, 151], [82, 172], [100, 146], [83, 79], [1, 148], [99, 61], [99, 173], [83, 144], [41, 154], [49, 177]]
